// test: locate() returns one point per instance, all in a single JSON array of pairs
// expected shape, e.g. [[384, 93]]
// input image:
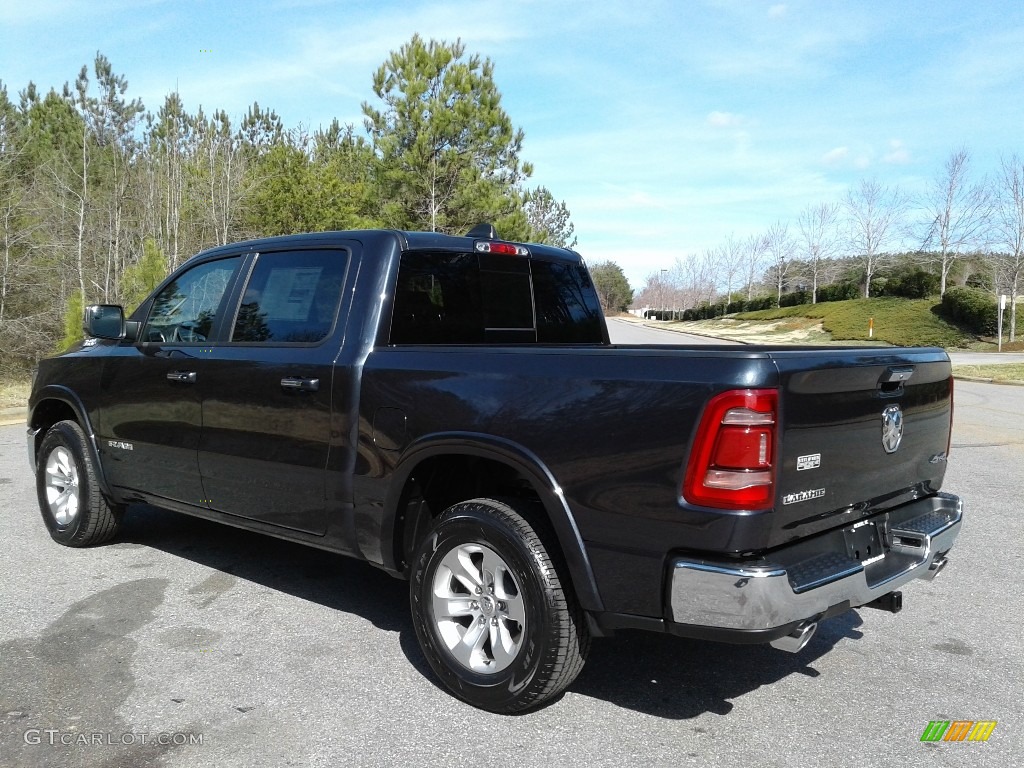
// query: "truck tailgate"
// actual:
[[860, 434]]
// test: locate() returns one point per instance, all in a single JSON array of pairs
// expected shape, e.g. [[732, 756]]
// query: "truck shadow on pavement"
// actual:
[[331, 580], [659, 675], [679, 678]]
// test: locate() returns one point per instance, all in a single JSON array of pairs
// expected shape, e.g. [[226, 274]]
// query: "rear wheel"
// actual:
[[74, 510], [497, 621]]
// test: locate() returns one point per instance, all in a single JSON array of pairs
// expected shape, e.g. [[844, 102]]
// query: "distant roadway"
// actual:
[[632, 332]]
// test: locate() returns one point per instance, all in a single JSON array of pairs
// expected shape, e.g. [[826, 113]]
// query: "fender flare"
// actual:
[[69, 398], [526, 463]]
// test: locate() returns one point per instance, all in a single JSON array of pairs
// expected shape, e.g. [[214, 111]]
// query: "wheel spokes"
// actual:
[[478, 609], [62, 485]]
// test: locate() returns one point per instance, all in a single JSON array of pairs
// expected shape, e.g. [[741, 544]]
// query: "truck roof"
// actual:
[[409, 240]]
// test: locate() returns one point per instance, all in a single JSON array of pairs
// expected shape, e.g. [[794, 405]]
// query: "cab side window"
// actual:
[[291, 297], [186, 309]]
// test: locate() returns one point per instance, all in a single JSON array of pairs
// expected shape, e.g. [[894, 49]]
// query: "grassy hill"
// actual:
[[904, 322]]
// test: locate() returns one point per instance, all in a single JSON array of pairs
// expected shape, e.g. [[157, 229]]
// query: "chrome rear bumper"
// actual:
[[802, 582]]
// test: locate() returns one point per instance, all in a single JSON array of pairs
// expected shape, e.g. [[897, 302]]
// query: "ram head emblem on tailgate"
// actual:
[[892, 428]]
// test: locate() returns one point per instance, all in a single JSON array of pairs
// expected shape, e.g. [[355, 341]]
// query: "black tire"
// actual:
[[536, 637], [74, 509]]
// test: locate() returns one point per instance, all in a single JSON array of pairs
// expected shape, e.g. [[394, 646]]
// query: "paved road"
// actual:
[[277, 655], [632, 332], [986, 358]]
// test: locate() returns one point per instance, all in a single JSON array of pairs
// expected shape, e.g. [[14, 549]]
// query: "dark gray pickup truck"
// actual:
[[450, 409]]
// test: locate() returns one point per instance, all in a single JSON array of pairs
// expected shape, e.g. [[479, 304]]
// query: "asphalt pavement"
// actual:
[[188, 643]]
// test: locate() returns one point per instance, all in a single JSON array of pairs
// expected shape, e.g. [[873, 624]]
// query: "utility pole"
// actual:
[[661, 284]]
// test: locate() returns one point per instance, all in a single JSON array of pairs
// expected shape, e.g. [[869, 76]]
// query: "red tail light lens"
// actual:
[[732, 464], [949, 440]]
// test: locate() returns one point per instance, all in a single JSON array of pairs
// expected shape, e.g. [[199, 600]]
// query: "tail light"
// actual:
[[949, 440], [732, 464]]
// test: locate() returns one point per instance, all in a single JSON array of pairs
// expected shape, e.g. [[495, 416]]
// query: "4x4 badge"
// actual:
[[892, 428]]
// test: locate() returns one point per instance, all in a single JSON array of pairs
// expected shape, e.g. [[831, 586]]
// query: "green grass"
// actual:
[[1007, 372], [904, 322]]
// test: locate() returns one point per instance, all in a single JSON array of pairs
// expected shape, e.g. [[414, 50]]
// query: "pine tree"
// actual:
[[448, 155]]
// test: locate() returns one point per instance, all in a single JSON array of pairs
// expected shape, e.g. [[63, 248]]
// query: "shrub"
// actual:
[[971, 307], [913, 283], [753, 305], [795, 298], [838, 292]]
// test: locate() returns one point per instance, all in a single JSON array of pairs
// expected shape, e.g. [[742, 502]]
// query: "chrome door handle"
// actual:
[[185, 377], [299, 384]]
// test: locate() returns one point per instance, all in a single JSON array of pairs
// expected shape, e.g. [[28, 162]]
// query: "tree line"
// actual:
[[959, 230], [101, 197]]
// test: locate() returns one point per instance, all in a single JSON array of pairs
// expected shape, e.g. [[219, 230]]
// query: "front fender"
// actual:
[[54, 403]]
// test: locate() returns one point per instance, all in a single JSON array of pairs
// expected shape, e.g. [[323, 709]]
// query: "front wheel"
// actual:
[[498, 622], [74, 510]]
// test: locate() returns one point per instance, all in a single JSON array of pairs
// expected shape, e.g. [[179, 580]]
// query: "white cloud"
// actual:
[[777, 11], [724, 120], [898, 154], [835, 156]]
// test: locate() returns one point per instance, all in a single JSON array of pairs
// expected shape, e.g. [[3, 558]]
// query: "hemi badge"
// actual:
[[120, 444], [810, 461]]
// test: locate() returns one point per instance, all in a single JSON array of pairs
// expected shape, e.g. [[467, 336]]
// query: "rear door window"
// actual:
[[291, 297]]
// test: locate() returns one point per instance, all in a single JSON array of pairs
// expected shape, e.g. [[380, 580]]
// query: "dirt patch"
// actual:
[[790, 330], [14, 394]]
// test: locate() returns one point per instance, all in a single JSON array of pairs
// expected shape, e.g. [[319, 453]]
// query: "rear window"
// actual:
[[291, 297], [476, 298]]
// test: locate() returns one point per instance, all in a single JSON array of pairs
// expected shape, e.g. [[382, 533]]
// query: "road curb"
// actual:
[[983, 380]]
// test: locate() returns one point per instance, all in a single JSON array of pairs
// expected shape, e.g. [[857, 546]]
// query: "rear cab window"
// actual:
[[478, 298]]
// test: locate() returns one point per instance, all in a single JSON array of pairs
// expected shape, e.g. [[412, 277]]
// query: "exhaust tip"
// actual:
[[936, 566], [796, 640]]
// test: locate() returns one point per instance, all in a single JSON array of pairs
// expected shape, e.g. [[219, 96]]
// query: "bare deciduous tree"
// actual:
[[1009, 229], [220, 175], [170, 138], [754, 252], [819, 242], [729, 261], [113, 120], [779, 248], [874, 214], [957, 214]]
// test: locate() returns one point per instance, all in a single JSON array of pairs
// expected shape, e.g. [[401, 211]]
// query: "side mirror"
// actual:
[[104, 321]]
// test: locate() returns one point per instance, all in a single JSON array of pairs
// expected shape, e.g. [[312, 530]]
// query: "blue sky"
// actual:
[[664, 126]]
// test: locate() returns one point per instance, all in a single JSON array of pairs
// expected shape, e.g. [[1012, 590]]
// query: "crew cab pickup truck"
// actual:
[[450, 409]]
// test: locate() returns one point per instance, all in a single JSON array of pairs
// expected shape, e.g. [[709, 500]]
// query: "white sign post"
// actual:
[[999, 321]]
